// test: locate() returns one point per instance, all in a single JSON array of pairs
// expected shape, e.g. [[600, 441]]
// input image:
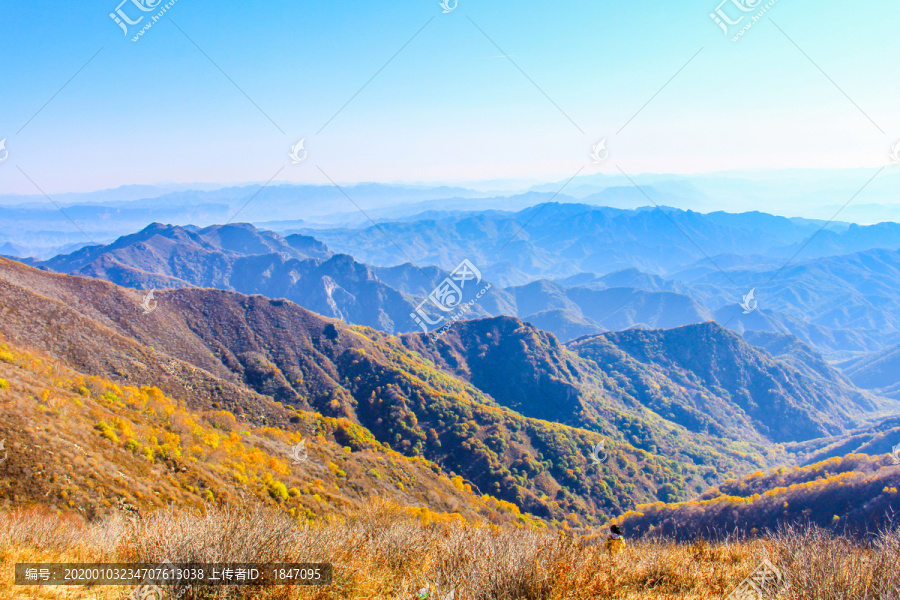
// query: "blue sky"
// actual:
[[449, 107]]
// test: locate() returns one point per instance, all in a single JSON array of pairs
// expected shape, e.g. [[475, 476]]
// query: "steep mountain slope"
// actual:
[[85, 444], [799, 300], [299, 268], [701, 377], [7, 249], [567, 312], [835, 343], [421, 281], [521, 367], [247, 353], [542, 295], [710, 373], [242, 258], [790, 312], [495, 401], [529, 370]]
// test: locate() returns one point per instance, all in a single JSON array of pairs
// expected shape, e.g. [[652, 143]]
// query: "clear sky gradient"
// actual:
[[449, 107]]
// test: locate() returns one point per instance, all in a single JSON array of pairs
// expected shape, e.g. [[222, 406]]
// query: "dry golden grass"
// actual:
[[118, 446], [388, 552]]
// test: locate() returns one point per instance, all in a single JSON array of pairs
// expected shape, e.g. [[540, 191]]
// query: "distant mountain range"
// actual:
[[555, 240], [36, 227], [797, 297], [242, 258], [796, 269], [42, 229]]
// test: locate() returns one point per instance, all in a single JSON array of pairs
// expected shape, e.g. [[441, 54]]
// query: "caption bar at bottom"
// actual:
[[173, 574]]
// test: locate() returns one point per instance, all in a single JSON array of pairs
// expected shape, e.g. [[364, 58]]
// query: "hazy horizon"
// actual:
[[862, 196], [428, 97]]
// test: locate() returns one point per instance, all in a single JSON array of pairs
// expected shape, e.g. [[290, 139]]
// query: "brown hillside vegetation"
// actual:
[[262, 360], [874, 438], [856, 494], [85, 445], [387, 552], [168, 436], [709, 373]]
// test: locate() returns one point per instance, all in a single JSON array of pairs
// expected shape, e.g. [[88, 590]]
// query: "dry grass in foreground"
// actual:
[[386, 552]]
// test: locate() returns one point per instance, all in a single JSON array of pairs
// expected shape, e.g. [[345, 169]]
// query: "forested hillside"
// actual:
[[857, 493]]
